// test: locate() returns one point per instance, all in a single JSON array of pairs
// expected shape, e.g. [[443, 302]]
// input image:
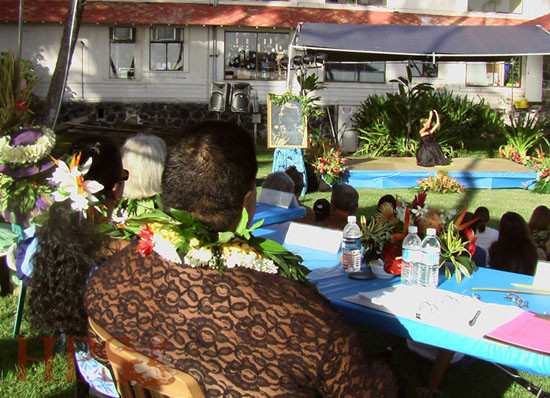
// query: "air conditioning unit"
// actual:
[[165, 34], [126, 34], [346, 135]]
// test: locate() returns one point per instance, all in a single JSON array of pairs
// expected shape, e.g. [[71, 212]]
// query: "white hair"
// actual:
[[143, 156]]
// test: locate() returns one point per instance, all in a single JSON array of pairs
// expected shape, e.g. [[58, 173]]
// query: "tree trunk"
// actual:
[[64, 58]]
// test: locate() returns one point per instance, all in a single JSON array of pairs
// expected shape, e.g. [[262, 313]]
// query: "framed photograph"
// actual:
[[286, 125]]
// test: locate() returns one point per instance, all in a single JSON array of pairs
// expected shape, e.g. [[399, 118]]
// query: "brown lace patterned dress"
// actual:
[[241, 334]]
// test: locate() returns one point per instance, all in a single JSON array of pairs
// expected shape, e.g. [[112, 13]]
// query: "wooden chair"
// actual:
[[138, 376]]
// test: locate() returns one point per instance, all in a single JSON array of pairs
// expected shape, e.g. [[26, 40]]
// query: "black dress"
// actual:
[[429, 153]]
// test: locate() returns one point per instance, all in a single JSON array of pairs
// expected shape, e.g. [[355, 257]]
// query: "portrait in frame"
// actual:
[[286, 123]]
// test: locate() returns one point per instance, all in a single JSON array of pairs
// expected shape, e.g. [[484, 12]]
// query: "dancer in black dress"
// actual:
[[429, 153]]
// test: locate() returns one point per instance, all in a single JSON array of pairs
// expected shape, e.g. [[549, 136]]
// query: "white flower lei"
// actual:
[[24, 154]]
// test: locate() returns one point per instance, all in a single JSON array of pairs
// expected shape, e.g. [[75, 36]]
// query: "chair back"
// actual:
[[137, 375]]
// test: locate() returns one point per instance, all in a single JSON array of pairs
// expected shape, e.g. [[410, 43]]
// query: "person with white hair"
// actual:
[[143, 156]]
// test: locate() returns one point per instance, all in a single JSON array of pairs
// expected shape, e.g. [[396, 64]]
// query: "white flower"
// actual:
[[420, 211], [70, 184], [23, 154], [166, 249], [401, 211]]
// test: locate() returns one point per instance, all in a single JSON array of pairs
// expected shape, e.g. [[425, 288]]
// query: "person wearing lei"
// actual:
[[197, 291]]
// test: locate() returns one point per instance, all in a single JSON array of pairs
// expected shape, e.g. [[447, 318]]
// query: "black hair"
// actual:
[[344, 197], [321, 208], [69, 247], [514, 250], [208, 173], [298, 179], [386, 199], [482, 213]]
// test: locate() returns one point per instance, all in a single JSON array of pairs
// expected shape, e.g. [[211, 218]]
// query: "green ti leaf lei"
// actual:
[[187, 235]]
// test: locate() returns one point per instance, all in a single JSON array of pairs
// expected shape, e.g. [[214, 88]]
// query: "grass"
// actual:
[[476, 379]]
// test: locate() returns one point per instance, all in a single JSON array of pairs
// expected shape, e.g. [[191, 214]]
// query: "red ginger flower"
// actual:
[[145, 244]]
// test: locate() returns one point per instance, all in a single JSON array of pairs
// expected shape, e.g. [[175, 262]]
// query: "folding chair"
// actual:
[[137, 375]]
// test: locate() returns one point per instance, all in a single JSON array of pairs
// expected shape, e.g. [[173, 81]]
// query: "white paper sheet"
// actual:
[[314, 237]]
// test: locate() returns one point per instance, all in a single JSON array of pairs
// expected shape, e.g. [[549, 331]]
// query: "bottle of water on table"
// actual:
[[428, 270], [411, 257], [351, 246]]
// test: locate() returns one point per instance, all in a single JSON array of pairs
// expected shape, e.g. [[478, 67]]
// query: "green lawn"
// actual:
[[476, 379]]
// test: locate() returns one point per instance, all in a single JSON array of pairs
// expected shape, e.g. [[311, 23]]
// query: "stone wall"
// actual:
[[172, 117]]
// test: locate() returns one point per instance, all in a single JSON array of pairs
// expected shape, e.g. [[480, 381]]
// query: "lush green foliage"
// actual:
[[16, 97], [388, 125]]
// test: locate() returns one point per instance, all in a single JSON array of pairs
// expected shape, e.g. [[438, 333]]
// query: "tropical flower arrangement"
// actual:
[[330, 164], [441, 183], [179, 237], [383, 235], [540, 163]]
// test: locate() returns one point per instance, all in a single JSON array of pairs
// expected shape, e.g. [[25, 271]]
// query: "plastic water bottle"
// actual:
[[351, 246], [411, 257], [428, 272]]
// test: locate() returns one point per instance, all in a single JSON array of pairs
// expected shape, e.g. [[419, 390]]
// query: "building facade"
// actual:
[[155, 62]]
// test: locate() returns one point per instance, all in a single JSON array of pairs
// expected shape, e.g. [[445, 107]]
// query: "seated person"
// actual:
[[515, 250], [321, 207], [238, 331], [143, 156], [486, 236], [298, 179], [386, 199], [344, 202], [539, 225], [429, 153], [279, 181]]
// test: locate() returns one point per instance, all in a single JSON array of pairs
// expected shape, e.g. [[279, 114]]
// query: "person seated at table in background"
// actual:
[[241, 331], [515, 250], [143, 156], [429, 153], [479, 255], [486, 236], [344, 202], [386, 199], [279, 181], [298, 179], [321, 207], [539, 225]]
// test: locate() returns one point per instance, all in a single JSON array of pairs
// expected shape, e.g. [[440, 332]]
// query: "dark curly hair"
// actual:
[[68, 250]]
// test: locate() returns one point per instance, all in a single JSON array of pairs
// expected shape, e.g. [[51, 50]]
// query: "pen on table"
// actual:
[[530, 287], [474, 319]]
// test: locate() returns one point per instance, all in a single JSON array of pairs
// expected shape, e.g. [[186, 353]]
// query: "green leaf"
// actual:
[[224, 237]]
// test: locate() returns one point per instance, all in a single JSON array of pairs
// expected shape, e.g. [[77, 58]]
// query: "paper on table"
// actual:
[[437, 307], [313, 237], [542, 276], [526, 330], [277, 198]]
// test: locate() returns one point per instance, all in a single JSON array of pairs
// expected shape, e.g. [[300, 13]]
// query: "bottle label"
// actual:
[[431, 258], [407, 255], [351, 243]]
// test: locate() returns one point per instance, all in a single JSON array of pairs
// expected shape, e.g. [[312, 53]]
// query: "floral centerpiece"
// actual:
[[383, 235], [538, 162], [327, 160], [24, 148]]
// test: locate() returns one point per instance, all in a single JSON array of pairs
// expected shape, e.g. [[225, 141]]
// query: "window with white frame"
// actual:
[[356, 72], [359, 2], [496, 74], [255, 55], [423, 69], [507, 6], [121, 52], [166, 48]]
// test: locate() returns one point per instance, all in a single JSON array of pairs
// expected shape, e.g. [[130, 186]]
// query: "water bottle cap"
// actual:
[[352, 219], [430, 231], [413, 229]]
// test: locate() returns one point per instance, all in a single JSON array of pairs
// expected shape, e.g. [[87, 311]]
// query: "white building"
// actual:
[[137, 52]]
